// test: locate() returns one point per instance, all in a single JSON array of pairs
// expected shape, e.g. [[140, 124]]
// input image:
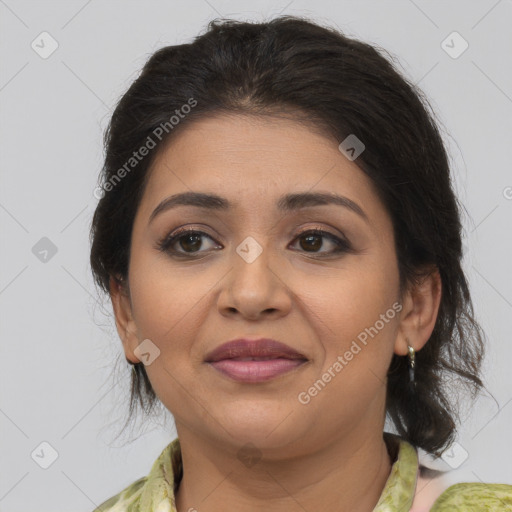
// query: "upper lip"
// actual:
[[242, 347]]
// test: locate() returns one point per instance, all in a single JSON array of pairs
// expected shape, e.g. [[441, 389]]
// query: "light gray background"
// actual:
[[58, 349]]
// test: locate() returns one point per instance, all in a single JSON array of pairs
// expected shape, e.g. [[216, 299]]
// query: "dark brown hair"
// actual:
[[341, 86]]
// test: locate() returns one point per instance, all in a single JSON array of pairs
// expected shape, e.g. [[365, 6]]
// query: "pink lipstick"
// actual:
[[259, 360]]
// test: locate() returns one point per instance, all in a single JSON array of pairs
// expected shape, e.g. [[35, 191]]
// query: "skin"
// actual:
[[330, 453], [428, 489]]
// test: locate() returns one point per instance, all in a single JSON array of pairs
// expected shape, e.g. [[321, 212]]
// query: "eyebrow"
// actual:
[[286, 203]]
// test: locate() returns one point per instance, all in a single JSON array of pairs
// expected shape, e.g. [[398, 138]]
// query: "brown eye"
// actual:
[[190, 243], [186, 241], [313, 240]]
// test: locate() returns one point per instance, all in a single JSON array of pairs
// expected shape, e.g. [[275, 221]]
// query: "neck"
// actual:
[[347, 475]]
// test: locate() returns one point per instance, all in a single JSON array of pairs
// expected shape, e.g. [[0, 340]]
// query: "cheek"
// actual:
[[355, 314], [352, 299], [165, 298], [167, 310], [357, 321]]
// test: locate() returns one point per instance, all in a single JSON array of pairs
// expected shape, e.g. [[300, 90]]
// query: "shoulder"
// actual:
[[477, 497], [121, 501], [155, 488]]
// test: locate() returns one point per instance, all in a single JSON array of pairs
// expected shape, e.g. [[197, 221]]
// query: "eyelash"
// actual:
[[164, 245]]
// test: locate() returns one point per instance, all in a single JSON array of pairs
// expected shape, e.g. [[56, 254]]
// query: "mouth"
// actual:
[[260, 360]]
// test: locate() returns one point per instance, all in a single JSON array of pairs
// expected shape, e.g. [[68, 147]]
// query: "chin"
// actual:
[[263, 428]]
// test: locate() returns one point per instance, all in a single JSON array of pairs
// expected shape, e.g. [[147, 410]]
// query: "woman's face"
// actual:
[[253, 274]]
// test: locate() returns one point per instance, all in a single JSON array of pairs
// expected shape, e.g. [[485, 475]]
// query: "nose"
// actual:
[[255, 288]]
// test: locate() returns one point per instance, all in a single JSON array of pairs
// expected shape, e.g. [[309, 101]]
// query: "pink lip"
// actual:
[[272, 359]]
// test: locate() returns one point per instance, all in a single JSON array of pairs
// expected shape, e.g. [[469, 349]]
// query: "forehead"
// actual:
[[252, 161]]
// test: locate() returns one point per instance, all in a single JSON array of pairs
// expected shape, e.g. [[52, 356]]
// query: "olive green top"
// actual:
[[155, 492]]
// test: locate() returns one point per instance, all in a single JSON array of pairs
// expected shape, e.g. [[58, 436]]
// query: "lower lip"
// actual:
[[256, 371]]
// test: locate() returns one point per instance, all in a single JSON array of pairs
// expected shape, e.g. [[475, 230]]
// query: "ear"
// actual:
[[420, 304], [126, 327]]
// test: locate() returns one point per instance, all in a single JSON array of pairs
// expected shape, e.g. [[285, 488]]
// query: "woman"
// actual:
[[282, 246]]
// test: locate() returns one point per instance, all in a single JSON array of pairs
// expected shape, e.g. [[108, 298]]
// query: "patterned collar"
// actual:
[[156, 492]]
